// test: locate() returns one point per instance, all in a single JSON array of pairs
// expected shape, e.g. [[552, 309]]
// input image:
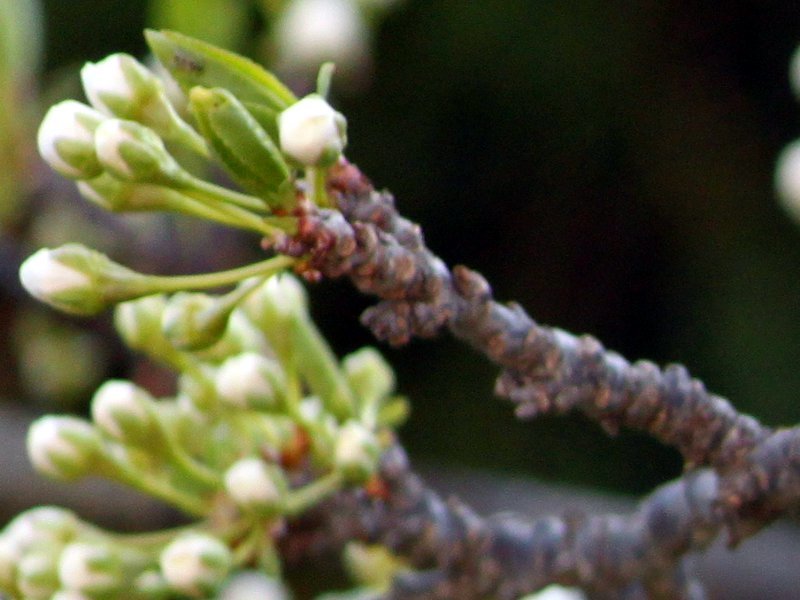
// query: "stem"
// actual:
[[203, 190], [303, 498], [177, 283]]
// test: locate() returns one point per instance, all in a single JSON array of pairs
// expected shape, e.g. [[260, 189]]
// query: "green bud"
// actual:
[[63, 447], [256, 485], [77, 279], [193, 321], [242, 145], [133, 152], [124, 412], [369, 375], [195, 564], [41, 526]]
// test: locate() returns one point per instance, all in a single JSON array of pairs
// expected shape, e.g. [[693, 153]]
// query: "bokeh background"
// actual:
[[608, 165]]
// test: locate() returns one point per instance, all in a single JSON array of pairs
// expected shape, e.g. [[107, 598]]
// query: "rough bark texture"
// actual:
[[751, 474]]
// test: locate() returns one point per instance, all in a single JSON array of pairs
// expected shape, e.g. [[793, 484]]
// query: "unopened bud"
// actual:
[[312, 132], [62, 447], [192, 320], [133, 152], [247, 585], [66, 139], [139, 321], [121, 410], [250, 380], [356, 451], [37, 574], [369, 375], [195, 564], [90, 568], [41, 526], [77, 279], [256, 485], [121, 86]]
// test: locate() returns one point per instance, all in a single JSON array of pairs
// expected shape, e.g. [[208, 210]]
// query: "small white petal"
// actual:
[[557, 592], [50, 447], [117, 403]]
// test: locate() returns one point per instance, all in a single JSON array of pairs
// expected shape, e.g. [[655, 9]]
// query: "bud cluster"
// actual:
[[266, 421]]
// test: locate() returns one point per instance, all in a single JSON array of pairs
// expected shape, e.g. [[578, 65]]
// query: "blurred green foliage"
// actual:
[[607, 165]]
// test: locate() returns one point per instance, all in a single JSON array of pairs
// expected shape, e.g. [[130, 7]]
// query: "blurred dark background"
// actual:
[[608, 165]]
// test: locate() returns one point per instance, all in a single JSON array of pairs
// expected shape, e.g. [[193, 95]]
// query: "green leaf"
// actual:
[[192, 63], [242, 145]]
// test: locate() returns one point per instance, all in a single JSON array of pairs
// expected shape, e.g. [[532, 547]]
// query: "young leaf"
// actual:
[[192, 62]]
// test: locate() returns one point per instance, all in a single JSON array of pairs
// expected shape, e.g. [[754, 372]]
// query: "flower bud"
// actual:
[[369, 375], [312, 132], [250, 380], [37, 574], [133, 152], [256, 485], [77, 279], [9, 558], [138, 322], [69, 595], [787, 179], [195, 564], [121, 86], [310, 32], [273, 306], [557, 592], [66, 139], [41, 526], [122, 411], [247, 585], [356, 451], [193, 321], [62, 447], [90, 568]]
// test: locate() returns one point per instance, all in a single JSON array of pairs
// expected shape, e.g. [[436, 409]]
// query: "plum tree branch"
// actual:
[[751, 474]]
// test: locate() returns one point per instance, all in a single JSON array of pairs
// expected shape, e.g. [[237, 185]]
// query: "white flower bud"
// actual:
[[312, 132], [557, 592], [133, 152], [121, 410], [37, 574], [66, 139], [249, 380], [256, 485], [787, 179], [50, 280], [195, 564], [280, 297], [310, 32], [41, 526], [247, 585], [69, 595], [62, 447], [356, 451], [90, 568], [77, 279], [368, 374], [121, 86]]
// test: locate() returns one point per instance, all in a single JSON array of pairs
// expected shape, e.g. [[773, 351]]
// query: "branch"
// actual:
[[755, 474]]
